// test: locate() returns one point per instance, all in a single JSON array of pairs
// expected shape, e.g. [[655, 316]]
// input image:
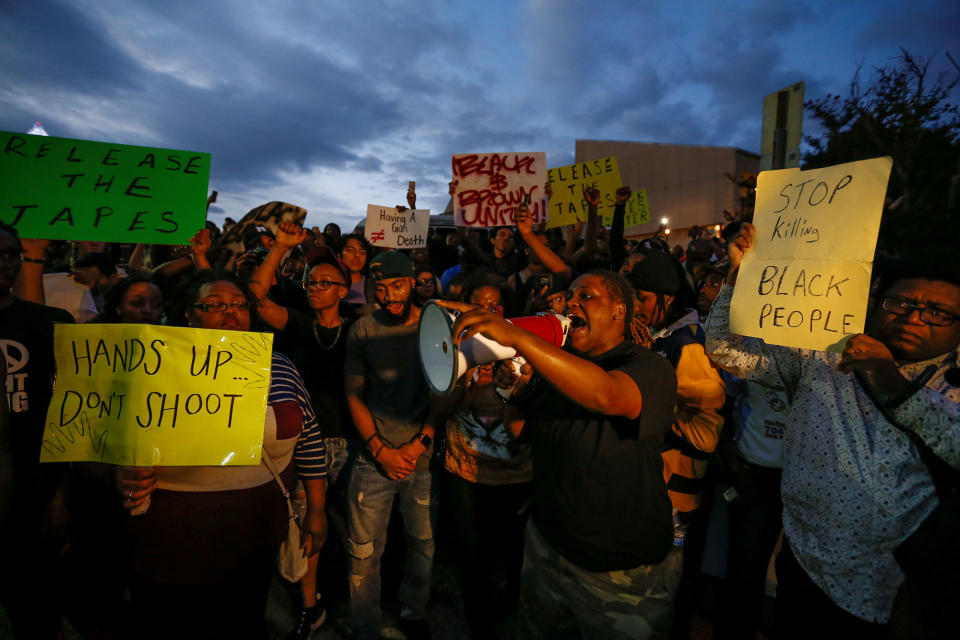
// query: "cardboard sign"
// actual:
[[567, 204], [805, 283], [66, 189], [266, 216], [147, 395], [489, 186], [393, 229]]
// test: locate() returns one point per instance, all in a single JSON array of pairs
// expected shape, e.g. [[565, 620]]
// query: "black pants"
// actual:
[[234, 607], [804, 611], [489, 532], [753, 530]]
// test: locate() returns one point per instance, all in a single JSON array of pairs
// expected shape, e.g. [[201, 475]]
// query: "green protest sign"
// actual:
[[66, 189]]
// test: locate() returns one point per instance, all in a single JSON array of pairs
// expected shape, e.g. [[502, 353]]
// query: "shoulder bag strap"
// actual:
[[276, 476], [945, 478]]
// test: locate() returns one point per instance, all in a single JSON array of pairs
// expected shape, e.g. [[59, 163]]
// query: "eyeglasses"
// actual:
[[319, 285], [11, 255], [930, 315], [220, 307]]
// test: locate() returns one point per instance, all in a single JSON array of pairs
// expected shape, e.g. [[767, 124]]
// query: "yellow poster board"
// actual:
[[637, 210], [146, 395], [805, 283], [567, 204]]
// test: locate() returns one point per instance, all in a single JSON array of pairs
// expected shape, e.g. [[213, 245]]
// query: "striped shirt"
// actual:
[[286, 385]]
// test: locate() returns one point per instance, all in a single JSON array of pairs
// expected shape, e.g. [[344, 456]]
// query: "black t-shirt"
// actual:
[[26, 340], [288, 293], [321, 369], [599, 494]]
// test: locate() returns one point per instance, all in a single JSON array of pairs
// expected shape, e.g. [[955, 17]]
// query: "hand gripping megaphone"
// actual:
[[444, 362]]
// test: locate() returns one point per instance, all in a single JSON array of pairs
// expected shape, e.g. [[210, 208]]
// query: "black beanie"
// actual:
[[657, 273]]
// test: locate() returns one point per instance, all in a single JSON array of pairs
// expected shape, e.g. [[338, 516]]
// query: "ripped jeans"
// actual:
[[369, 500]]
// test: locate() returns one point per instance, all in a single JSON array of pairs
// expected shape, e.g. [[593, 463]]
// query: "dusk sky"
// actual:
[[332, 105]]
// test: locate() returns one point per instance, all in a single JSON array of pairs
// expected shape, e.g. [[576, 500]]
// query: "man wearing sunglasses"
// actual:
[[855, 486], [316, 345]]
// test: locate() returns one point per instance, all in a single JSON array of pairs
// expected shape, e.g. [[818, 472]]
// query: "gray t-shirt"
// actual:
[[388, 358]]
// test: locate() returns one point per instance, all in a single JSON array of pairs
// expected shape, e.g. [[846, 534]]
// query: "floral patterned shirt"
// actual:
[[854, 486]]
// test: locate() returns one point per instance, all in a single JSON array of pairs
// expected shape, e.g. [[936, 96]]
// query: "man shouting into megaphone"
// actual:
[[599, 553]]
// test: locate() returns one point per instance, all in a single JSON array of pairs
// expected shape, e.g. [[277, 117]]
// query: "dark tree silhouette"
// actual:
[[905, 113]]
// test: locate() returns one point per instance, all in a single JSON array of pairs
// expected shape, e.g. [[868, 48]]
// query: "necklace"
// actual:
[[335, 338]]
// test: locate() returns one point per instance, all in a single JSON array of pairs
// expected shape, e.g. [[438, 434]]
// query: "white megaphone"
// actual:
[[444, 362]]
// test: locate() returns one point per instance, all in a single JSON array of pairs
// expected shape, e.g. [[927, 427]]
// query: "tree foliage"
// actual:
[[905, 113]]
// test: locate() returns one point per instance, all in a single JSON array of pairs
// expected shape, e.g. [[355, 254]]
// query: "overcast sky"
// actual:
[[333, 104]]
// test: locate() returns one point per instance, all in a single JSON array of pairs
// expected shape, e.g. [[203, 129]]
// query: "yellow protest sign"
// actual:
[[637, 210], [147, 395], [567, 204], [805, 283]]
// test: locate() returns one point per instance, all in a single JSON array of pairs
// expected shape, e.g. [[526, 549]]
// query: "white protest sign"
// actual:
[[391, 228], [489, 186], [806, 282]]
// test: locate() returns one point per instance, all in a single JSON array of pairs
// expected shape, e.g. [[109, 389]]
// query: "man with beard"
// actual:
[[388, 399]]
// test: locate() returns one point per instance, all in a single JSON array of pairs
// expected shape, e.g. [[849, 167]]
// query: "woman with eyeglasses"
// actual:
[[316, 344], [427, 286], [204, 550]]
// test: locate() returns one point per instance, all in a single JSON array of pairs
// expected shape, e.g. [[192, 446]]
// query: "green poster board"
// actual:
[[66, 189]]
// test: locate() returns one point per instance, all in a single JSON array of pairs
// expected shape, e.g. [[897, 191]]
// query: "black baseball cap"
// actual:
[[391, 264]]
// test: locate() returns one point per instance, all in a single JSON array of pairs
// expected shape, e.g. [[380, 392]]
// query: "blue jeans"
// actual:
[[370, 497]]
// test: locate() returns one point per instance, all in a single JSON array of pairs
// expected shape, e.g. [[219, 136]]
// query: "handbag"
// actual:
[[930, 556], [291, 559]]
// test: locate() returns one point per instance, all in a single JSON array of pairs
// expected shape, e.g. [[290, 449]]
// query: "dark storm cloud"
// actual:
[[273, 105], [740, 58], [53, 43], [923, 27], [310, 117], [324, 100]]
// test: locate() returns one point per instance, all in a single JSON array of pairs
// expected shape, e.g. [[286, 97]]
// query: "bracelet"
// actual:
[[34, 260], [372, 436], [378, 451]]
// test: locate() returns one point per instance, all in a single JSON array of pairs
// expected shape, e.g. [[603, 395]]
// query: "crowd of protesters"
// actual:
[[579, 502]]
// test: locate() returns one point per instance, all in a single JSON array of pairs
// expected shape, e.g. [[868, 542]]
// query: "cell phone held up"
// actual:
[[541, 280]]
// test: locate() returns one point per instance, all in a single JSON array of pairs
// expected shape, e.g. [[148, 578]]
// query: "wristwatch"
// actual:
[[423, 439]]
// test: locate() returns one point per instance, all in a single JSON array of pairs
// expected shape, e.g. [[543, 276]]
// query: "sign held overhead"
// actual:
[[806, 282], [65, 189], [391, 228], [488, 187]]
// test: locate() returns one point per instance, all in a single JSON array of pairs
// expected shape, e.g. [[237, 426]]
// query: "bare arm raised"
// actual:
[[289, 235]]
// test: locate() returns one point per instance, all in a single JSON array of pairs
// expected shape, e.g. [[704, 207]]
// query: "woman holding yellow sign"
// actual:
[[204, 549]]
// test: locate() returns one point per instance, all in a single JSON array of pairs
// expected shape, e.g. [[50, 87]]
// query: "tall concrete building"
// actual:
[[687, 184]]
